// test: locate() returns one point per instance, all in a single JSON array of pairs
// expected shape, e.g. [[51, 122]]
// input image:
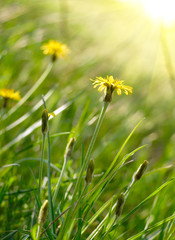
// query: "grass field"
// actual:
[[108, 167]]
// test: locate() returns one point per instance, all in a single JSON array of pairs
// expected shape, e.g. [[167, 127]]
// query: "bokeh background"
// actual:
[[106, 37]]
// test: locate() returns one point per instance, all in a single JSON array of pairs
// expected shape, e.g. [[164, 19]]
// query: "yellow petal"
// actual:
[[119, 92], [51, 114]]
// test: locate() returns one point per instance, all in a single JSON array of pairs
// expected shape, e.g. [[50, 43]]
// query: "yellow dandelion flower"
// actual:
[[55, 49], [109, 84], [10, 94]]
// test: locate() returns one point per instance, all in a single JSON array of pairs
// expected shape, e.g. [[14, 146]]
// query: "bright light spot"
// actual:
[[160, 9]]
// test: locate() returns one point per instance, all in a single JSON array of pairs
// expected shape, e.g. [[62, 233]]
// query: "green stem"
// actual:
[[38, 232], [63, 233], [76, 208], [30, 92], [80, 199], [59, 181], [113, 221], [41, 165], [99, 227], [51, 212]]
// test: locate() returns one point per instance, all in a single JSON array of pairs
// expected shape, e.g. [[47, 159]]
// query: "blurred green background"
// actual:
[[106, 37]]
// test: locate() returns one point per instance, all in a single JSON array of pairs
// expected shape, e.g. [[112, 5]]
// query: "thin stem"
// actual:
[[60, 180], [99, 227], [80, 199], [31, 91], [75, 209], [63, 233], [129, 188], [41, 164], [55, 220], [51, 213], [110, 226], [38, 232]]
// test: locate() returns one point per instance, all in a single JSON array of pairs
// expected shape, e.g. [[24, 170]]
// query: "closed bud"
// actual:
[[43, 213], [89, 172], [120, 204], [69, 148], [44, 121], [140, 170], [108, 95]]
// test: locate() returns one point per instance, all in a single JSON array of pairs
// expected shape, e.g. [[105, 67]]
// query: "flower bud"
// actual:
[[44, 121], [69, 148], [109, 92], [89, 172], [120, 204], [140, 171], [43, 213]]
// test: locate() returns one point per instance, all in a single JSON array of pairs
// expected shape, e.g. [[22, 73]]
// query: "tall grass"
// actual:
[[105, 37]]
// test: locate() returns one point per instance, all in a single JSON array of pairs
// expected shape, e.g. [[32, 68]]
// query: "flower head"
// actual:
[[10, 94], [109, 84], [55, 49]]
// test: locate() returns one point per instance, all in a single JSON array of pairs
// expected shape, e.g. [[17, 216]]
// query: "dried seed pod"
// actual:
[[89, 172], [120, 204], [140, 171], [69, 148], [44, 121], [43, 213]]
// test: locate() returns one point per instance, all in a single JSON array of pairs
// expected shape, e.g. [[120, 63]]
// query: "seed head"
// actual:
[[140, 171], [43, 213]]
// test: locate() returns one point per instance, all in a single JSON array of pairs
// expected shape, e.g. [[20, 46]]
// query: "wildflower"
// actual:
[[10, 94], [55, 49], [109, 84]]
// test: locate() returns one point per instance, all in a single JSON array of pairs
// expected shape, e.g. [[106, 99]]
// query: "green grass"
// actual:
[[105, 37]]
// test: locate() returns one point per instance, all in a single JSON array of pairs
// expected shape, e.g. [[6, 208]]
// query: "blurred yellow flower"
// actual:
[[109, 84], [55, 48], [10, 93], [51, 114]]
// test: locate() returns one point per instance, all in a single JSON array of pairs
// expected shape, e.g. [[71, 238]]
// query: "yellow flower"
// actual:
[[10, 93], [56, 49], [109, 84], [51, 114]]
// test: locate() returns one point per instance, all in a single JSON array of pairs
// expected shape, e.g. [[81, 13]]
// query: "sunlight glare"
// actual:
[[163, 10], [160, 9]]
